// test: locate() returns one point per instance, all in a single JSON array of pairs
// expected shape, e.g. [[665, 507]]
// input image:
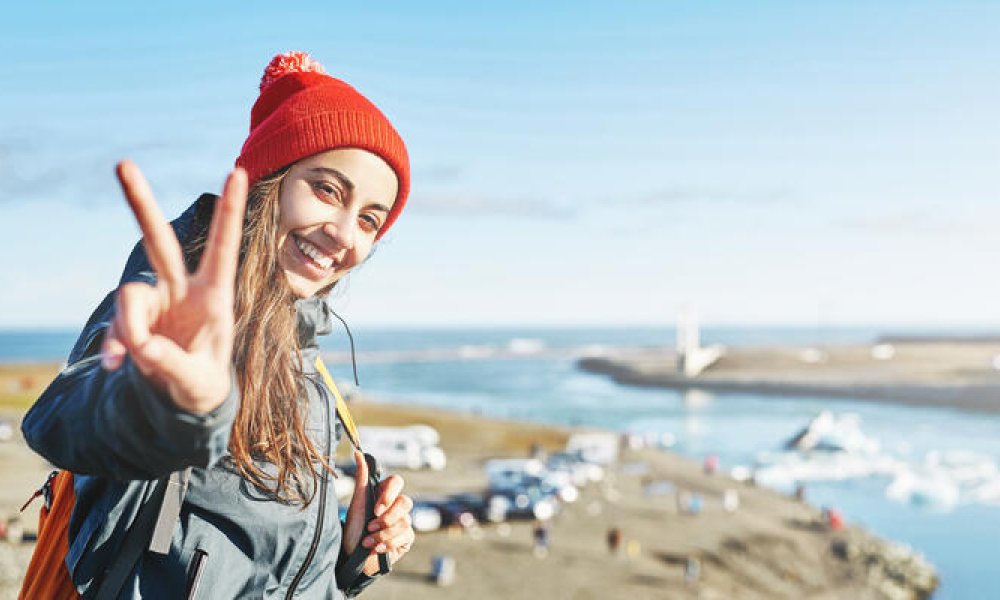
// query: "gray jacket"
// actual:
[[118, 435]]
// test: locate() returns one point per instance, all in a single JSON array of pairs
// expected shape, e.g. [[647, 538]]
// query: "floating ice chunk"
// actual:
[[474, 351], [924, 488], [987, 493], [785, 469], [525, 346], [963, 466], [833, 433]]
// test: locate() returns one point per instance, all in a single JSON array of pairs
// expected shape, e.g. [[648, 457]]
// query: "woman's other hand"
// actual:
[[391, 532], [179, 333]]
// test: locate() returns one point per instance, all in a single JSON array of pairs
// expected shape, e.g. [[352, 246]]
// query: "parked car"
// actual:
[[505, 473], [525, 502], [581, 472], [486, 508], [455, 513], [425, 516]]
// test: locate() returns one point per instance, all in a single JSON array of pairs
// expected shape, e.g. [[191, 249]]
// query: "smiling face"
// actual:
[[331, 207]]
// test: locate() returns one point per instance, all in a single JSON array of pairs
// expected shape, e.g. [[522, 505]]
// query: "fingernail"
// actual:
[[369, 542], [380, 549], [379, 510], [108, 362], [374, 526]]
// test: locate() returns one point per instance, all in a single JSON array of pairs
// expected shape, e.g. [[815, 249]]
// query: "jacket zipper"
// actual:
[[194, 573], [322, 507]]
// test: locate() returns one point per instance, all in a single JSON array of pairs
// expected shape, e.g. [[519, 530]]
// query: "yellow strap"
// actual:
[[342, 412]]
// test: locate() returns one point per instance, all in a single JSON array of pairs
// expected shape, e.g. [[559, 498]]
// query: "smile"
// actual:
[[313, 253]]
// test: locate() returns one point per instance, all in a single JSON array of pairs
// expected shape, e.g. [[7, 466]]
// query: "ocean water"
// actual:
[[924, 477]]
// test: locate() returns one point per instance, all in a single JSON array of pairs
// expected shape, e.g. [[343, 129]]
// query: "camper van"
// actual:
[[594, 447], [414, 447]]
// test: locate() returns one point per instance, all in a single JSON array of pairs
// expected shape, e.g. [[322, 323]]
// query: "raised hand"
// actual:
[[391, 531], [179, 333]]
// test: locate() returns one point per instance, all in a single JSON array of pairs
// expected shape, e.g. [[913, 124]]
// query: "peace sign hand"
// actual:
[[179, 332]]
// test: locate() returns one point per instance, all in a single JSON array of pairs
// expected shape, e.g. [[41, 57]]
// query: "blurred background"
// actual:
[[815, 179]]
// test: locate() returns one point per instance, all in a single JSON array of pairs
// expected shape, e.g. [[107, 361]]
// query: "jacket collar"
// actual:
[[314, 319]]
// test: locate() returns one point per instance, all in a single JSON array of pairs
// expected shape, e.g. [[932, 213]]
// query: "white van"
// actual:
[[413, 447], [594, 447]]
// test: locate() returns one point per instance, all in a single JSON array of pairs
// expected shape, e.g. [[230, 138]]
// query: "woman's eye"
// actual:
[[327, 190], [369, 223]]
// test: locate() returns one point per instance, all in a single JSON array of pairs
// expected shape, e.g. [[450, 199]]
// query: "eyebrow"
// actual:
[[346, 182]]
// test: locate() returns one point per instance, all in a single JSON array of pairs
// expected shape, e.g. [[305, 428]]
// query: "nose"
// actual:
[[342, 228]]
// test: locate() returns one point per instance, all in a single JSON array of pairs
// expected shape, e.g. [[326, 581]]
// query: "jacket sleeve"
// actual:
[[116, 424], [359, 584]]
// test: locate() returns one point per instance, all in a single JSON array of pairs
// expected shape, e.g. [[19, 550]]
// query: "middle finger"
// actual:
[[399, 511], [222, 250], [162, 247]]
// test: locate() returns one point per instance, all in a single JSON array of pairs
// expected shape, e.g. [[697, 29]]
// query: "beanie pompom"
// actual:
[[289, 62]]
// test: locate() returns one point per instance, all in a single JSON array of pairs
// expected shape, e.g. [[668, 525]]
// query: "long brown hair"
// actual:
[[270, 422]]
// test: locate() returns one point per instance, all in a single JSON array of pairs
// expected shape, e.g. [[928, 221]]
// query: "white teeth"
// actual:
[[314, 253]]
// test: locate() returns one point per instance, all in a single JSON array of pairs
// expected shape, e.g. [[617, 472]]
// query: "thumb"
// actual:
[[165, 361], [357, 509], [159, 357]]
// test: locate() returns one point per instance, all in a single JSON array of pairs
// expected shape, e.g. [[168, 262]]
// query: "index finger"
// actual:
[[222, 248], [162, 247], [388, 490]]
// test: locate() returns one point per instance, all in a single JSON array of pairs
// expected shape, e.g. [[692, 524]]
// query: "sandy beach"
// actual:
[[771, 547]]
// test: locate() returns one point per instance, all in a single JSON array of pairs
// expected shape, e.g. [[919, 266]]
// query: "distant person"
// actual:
[[537, 451], [834, 519], [443, 570], [692, 571], [196, 381], [730, 500], [540, 534], [614, 540], [800, 492], [711, 464], [694, 504]]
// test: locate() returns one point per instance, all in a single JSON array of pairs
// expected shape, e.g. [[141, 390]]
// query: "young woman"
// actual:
[[204, 356]]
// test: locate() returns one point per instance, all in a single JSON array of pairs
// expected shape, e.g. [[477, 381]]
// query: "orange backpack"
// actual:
[[47, 576]]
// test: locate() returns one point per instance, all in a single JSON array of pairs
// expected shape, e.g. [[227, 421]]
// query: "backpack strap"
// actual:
[[350, 568], [170, 511]]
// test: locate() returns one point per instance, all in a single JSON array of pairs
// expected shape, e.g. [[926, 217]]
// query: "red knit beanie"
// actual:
[[302, 111]]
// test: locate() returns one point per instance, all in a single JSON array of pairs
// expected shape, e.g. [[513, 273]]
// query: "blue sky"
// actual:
[[580, 163]]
